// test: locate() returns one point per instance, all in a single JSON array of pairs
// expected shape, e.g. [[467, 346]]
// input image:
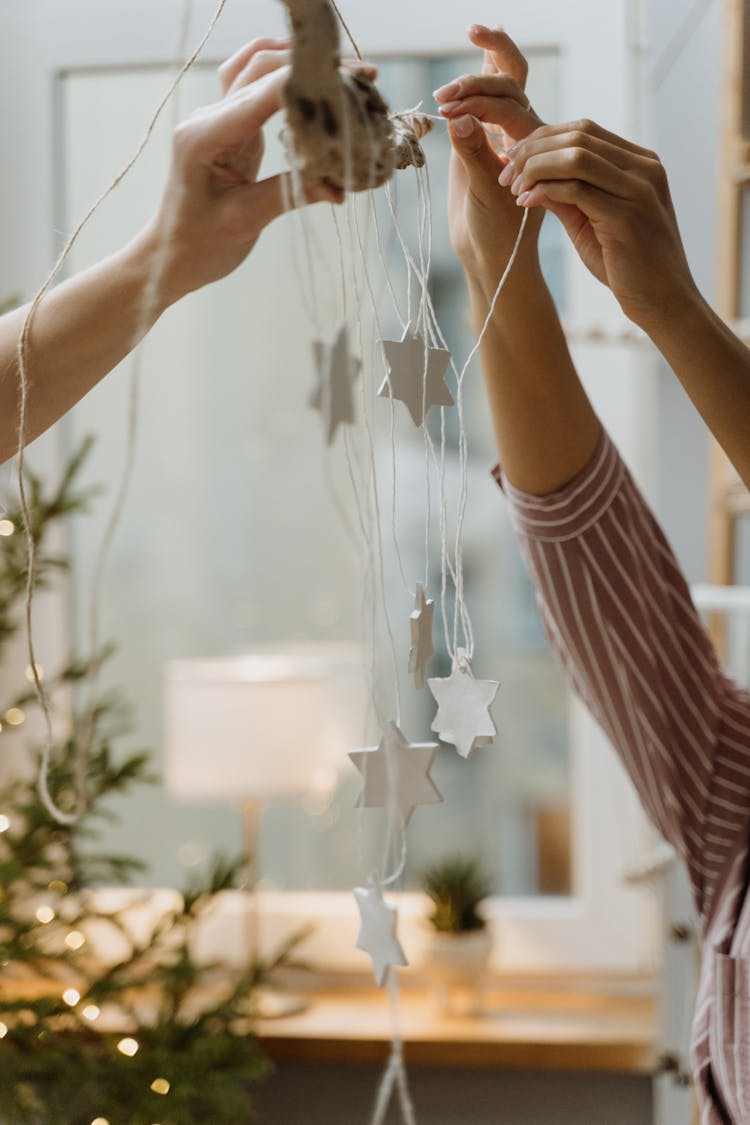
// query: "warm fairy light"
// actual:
[[4, 823], [15, 716], [75, 940], [3, 1029], [100, 1121], [71, 996], [45, 915], [7, 527], [160, 1086], [58, 887], [128, 1047], [30, 673], [91, 1012]]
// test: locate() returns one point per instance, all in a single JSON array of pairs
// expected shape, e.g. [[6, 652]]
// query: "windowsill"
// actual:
[[602, 1024]]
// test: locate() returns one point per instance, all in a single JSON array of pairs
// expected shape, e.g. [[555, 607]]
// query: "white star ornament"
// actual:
[[377, 934], [336, 370], [463, 716], [415, 375], [396, 774], [421, 635]]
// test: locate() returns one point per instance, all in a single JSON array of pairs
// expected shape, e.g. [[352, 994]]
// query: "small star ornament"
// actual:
[[336, 370], [396, 774], [415, 374], [377, 934], [463, 716], [421, 635]]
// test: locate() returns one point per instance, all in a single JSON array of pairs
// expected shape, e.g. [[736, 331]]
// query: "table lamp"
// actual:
[[257, 727]]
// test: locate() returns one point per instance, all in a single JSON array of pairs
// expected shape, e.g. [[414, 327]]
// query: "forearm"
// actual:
[[713, 365], [81, 330], [545, 426]]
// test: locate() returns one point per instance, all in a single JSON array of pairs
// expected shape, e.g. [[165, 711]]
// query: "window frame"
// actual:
[[603, 925]]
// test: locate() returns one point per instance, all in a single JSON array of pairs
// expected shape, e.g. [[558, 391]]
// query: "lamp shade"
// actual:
[[263, 725]]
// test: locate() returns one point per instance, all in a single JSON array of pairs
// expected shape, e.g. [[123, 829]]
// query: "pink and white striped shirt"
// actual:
[[618, 613]]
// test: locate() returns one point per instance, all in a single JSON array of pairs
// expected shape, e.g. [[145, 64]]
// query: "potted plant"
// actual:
[[460, 941]]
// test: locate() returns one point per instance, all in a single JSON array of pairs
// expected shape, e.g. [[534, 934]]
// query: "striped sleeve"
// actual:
[[619, 615]]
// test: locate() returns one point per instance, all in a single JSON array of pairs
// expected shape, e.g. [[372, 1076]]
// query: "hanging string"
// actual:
[[343, 23], [459, 402], [60, 815], [395, 1073], [148, 305]]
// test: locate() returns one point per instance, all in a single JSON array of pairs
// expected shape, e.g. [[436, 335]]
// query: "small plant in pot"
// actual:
[[460, 942]]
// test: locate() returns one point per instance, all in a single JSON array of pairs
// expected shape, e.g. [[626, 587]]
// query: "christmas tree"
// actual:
[[152, 1036]]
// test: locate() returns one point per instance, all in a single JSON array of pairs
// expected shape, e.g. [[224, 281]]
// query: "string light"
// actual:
[[128, 1047], [30, 673], [75, 940], [71, 996], [7, 527], [91, 1012], [14, 717], [160, 1086], [58, 887], [3, 1029], [4, 823], [45, 914], [100, 1121]]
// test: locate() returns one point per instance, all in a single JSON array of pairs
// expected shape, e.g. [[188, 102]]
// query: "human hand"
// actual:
[[214, 207], [483, 112], [613, 199]]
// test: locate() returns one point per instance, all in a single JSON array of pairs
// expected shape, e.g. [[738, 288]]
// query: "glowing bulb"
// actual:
[[6, 527], [45, 914], [91, 1012], [128, 1047], [15, 716], [30, 673], [100, 1121], [71, 996], [58, 887], [3, 1029], [160, 1086], [4, 823], [75, 940]]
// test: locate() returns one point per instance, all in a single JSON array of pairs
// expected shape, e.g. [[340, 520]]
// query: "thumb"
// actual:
[[472, 147], [267, 199]]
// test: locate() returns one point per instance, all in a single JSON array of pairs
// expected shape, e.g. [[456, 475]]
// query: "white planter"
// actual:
[[455, 966]]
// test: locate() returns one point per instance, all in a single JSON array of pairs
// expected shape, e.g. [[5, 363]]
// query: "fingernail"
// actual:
[[515, 187], [507, 173], [444, 93], [522, 199], [449, 107], [463, 126], [479, 29]]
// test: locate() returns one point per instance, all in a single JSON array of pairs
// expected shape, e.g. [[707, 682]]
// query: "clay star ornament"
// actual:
[[415, 374], [463, 716], [396, 774], [421, 635], [336, 369], [377, 934]]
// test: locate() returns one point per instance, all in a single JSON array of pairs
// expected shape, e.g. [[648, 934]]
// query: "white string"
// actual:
[[148, 305], [58, 814], [395, 1073], [463, 499]]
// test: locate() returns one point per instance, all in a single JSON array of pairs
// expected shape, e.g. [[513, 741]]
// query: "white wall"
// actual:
[[684, 113]]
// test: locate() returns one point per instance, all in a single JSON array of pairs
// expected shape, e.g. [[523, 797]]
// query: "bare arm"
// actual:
[[213, 211], [545, 426], [614, 200]]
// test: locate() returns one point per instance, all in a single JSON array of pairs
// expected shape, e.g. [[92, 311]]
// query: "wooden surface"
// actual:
[[527, 1029]]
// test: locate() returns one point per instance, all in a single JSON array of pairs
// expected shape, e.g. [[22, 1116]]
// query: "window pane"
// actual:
[[231, 540]]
